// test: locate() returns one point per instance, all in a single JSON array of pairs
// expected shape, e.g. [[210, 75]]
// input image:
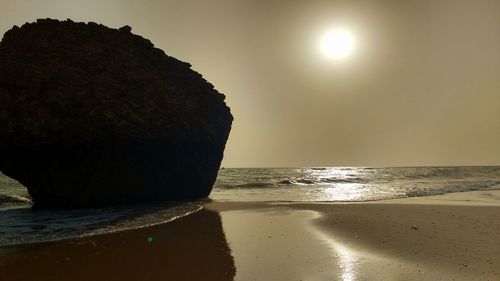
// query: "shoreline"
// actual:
[[437, 237]]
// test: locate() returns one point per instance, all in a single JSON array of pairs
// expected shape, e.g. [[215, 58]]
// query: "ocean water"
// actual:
[[21, 225], [324, 184]]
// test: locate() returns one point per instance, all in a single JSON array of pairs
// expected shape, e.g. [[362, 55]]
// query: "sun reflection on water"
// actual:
[[345, 192]]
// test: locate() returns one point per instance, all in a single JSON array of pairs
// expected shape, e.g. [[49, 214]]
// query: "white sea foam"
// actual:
[[21, 225]]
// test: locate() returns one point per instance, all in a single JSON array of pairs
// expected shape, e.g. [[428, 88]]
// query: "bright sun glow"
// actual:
[[337, 44]]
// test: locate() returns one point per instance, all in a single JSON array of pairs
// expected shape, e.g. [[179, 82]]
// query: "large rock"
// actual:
[[93, 116]]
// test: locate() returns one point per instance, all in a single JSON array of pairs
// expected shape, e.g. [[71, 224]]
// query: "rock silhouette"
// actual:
[[94, 116]]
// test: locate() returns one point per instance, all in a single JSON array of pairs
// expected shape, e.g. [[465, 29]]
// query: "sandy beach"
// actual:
[[427, 238]]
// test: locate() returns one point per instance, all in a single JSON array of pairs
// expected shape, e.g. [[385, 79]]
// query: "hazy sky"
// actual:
[[422, 86]]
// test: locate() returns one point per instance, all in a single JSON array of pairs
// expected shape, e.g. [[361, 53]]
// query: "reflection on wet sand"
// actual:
[[353, 265], [284, 243], [279, 244], [191, 248], [348, 261]]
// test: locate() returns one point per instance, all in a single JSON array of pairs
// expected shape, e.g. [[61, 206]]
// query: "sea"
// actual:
[[19, 224]]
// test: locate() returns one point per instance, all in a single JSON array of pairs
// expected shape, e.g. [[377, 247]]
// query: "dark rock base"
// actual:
[[94, 176]]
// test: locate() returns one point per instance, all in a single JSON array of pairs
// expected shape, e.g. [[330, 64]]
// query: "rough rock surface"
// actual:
[[94, 116]]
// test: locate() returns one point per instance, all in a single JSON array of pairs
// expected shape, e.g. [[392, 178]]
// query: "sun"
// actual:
[[337, 44]]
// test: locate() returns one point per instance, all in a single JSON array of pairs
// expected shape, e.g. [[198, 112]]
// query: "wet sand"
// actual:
[[191, 248], [429, 238]]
